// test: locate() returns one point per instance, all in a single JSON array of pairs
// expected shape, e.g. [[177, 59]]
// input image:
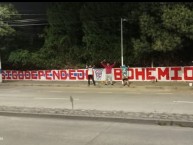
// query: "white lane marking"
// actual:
[[105, 92], [183, 102], [54, 98], [79, 92], [55, 91], [10, 91], [164, 93], [118, 92], [67, 91], [15, 95], [3, 95], [131, 92]]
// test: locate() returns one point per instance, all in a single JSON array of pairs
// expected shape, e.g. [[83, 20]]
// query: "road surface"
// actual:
[[36, 131], [119, 99]]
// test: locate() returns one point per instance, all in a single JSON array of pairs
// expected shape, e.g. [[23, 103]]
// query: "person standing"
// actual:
[[90, 74], [108, 69], [125, 75]]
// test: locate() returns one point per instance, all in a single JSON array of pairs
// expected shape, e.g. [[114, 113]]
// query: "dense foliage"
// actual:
[[88, 32]]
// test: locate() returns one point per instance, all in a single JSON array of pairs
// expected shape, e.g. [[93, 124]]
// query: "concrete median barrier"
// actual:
[[163, 119]]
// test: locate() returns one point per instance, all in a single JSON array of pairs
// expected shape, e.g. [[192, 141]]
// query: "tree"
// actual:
[[101, 27], [163, 29], [63, 37], [83, 32], [7, 13]]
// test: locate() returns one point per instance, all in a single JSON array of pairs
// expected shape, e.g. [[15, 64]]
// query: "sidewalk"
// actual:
[[147, 85], [120, 116]]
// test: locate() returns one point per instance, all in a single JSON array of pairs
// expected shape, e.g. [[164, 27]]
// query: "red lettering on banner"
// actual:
[[27, 77], [8, 74], [87, 74], [80, 77], [140, 73], [63, 74], [40, 74], [21, 76], [71, 77], [56, 74], [3, 75], [186, 69], [176, 77], [117, 74], [48, 77], [149, 74], [33, 75], [14, 75], [131, 71], [163, 73], [135, 74]]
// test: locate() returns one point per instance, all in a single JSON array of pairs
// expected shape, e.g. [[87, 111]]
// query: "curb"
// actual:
[[146, 121], [100, 86]]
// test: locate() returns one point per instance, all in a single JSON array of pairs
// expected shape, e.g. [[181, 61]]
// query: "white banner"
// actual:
[[135, 74]]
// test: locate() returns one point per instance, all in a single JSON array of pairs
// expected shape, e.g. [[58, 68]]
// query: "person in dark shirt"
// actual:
[[90, 74]]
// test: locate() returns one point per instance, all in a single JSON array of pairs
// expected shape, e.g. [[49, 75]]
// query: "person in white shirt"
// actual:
[[90, 74]]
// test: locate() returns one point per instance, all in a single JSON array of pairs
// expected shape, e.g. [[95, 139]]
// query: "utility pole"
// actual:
[[122, 20], [0, 70], [121, 42]]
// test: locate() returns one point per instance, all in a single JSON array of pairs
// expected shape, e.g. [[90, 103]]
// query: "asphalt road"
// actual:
[[119, 99], [36, 131]]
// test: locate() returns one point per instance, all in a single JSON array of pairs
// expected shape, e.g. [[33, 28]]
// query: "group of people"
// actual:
[[108, 68]]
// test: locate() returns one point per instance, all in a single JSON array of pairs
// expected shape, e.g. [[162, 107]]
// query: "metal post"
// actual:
[[121, 42], [0, 70]]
